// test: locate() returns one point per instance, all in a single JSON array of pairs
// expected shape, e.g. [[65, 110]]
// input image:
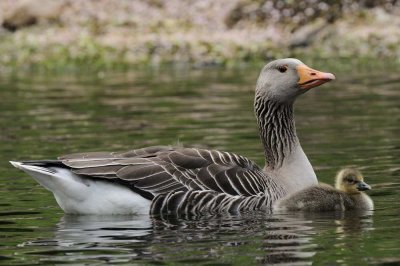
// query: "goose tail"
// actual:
[[79, 195], [56, 179]]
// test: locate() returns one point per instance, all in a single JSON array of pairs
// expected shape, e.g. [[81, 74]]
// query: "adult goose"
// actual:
[[188, 180]]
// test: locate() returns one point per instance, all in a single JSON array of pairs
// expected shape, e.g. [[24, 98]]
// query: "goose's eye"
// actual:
[[282, 69]]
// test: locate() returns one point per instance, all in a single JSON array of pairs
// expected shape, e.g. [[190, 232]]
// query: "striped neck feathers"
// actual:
[[277, 129]]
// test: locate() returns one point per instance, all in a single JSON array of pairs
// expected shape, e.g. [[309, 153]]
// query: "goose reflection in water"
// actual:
[[91, 229], [260, 238]]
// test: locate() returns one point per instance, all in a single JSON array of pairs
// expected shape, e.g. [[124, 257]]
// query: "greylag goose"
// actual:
[[188, 180], [347, 195]]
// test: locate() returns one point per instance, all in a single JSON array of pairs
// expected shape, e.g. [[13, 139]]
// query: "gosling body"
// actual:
[[346, 195]]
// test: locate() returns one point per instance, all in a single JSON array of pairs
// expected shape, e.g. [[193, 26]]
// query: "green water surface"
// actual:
[[353, 121]]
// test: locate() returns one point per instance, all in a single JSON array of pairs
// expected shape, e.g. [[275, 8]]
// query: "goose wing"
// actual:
[[207, 201], [163, 169]]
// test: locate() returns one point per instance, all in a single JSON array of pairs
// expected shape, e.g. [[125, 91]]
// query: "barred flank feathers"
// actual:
[[207, 201]]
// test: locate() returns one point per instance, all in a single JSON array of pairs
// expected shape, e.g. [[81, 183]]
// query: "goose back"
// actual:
[[168, 175]]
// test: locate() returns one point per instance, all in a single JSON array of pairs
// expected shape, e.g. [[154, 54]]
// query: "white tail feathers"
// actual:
[[80, 195], [55, 179]]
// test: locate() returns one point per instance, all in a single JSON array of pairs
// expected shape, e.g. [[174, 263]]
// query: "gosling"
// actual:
[[347, 195]]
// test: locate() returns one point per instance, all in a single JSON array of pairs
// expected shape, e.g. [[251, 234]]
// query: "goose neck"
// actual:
[[284, 156], [277, 130]]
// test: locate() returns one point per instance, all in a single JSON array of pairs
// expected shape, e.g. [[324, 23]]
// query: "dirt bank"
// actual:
[[121, 33]]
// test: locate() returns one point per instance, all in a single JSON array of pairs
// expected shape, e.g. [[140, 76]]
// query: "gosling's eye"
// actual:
[[282, 69]]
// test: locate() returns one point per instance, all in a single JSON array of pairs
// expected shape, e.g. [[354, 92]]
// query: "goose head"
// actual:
[[283, 80], [351, 181]]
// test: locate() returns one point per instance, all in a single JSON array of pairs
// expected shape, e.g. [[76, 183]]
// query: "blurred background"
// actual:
[[101, 33]]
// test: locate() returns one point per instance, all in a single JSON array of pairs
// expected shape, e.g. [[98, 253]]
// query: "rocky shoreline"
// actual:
[[52, 34]]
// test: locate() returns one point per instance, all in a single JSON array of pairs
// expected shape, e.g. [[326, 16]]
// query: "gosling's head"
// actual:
[[351, 181]]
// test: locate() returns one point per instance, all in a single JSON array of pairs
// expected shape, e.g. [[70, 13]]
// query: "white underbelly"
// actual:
[[104, 198]]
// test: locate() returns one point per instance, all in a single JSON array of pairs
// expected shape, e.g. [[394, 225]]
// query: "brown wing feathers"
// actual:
[[173, 175], [207, 201]]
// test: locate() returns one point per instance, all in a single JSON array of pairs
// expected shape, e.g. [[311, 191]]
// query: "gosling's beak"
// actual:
[[310, 78], [362, 186]]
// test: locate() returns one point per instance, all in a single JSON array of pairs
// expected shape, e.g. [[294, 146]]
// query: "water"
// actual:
[[353, 121]]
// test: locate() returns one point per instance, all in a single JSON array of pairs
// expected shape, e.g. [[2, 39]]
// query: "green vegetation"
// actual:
[[121, 34]]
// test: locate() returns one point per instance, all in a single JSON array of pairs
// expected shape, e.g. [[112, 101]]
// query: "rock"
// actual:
[[244, 9], [29, 12], [306, 35]]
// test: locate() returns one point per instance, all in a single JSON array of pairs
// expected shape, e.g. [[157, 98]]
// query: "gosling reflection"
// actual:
[[354, 224], [348, 229]]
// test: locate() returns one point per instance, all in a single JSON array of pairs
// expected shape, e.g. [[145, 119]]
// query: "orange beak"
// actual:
[[310, 78]]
